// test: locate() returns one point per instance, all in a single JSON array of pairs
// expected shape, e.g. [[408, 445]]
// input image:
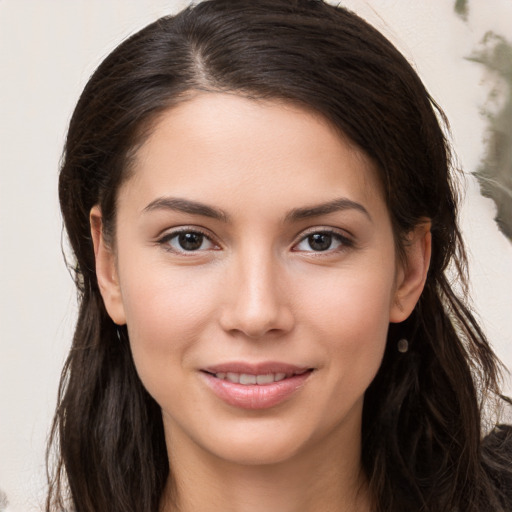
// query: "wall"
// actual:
[[47, 51]]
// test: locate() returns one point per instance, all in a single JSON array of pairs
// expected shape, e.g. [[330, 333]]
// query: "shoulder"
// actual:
[[497, 461]]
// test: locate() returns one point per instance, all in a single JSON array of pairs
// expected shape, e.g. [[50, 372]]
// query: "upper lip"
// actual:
[[263, 368]]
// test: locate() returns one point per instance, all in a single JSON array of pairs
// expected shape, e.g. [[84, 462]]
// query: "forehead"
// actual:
[[217, 143]]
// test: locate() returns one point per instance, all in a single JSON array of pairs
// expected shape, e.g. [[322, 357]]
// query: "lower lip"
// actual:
[[256, 396]]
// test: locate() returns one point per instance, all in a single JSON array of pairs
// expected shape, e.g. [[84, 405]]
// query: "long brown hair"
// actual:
[[422, 448]]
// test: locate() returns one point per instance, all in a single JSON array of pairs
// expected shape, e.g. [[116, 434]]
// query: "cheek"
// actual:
[[350, 301], [349, 316], [166, 311]]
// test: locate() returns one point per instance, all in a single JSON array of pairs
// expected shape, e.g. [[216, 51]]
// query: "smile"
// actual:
[[255, 388], [248, 379]]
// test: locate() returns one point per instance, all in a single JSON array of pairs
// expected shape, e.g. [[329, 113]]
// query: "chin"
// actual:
[[258, 453], [252, 444]]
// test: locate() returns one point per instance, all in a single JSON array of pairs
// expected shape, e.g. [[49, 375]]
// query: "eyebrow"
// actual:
[[197, 208], [186, 206], [325, 208]]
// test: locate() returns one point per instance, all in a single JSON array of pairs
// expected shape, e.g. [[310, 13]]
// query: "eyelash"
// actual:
[[165, 240], [343, 241]]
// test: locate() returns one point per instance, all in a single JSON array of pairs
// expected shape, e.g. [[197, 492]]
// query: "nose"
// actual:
[[257, 298]]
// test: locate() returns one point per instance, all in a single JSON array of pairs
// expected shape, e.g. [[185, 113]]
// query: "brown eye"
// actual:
[[320, 241], [187, 241], [323, 241], [190, 241]]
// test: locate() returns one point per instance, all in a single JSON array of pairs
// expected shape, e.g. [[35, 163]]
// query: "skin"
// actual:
[[257, 290]]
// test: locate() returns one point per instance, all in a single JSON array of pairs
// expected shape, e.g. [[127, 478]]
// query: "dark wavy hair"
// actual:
[[422, 426]]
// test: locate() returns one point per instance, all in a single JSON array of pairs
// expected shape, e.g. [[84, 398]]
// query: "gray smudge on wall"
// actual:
[[495, 170], [4, 503]]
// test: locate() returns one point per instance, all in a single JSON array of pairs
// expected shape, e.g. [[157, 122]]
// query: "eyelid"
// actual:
[[343, 236], [346, 238], [166, 235]]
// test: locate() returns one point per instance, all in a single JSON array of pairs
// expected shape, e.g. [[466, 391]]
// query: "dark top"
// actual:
[[497, 460]]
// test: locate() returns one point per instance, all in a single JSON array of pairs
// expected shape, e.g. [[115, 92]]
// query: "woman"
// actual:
[[259, 199]]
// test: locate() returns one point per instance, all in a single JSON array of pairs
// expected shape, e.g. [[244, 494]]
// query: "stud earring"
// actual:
[[402, 345]]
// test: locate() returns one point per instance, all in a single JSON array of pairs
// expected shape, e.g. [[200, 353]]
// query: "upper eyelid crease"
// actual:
[[325, 229], [167, 235], [345, 238], [178, 231]]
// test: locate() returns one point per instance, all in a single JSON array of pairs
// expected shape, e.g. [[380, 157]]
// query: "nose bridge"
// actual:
[[257, 302]]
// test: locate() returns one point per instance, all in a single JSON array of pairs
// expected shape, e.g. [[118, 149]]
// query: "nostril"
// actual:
[[257, 324]]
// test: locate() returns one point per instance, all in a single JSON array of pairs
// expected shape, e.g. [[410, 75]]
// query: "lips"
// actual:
[[257, 386], [248, 379]]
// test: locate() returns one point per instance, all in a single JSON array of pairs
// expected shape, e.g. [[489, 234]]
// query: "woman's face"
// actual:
[[255, 268]]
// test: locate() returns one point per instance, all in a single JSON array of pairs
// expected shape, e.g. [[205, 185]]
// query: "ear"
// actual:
[[106, 269], [412, 272]]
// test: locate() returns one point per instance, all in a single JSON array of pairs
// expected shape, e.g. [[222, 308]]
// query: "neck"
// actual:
[[327, 478]]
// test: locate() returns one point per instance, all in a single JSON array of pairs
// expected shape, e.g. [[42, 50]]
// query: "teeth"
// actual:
[[248, 379], [265, 379], [245, 378]]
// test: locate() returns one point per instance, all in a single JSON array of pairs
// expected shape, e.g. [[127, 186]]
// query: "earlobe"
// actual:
[[106, 270], [412, 273]]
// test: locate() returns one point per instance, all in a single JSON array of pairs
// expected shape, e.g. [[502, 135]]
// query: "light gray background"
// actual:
[[48, 49]]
